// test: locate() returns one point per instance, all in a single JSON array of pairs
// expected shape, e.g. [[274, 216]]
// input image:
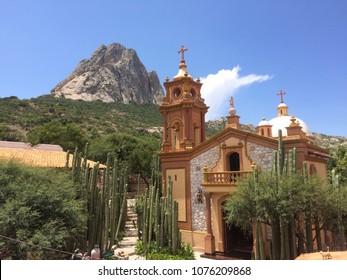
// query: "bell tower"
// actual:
[[183, 110]]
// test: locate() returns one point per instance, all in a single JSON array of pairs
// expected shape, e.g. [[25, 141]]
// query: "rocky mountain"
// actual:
[[112, 74]]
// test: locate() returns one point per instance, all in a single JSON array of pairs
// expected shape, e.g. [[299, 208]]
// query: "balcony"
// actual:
[[223, 178]]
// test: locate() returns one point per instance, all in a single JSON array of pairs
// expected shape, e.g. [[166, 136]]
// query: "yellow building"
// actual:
[[204, 172]]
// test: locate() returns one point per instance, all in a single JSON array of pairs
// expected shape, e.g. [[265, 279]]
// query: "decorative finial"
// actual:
[[167, 79], [182, 50], [232, 110], [281, 93], [198, 80], [293, 121]]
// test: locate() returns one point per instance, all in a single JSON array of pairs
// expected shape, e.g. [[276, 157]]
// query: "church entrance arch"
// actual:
[[234, 162], [237, 242]]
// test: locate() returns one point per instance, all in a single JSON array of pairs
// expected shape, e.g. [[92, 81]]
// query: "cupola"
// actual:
[[264, 128], [283, 120]]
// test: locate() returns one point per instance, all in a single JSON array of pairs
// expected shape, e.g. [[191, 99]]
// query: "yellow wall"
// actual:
[[178, 178], [320, 167], [195, 238]]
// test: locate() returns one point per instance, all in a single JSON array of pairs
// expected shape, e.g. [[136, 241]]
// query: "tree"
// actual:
[[136, 154], [310, 202], [67, 135], [38, 209], [338, 162]]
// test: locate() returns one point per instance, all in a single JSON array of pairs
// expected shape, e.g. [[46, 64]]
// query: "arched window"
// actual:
[[177, 92]]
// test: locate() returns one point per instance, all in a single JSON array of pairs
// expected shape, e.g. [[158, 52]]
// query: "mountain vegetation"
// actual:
[[20, 119], [130, 132]]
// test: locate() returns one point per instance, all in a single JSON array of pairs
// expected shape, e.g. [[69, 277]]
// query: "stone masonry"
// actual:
[[197, 164], [262, 156]]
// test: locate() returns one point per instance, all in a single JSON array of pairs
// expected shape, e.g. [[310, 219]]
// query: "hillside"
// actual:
[[95, 118], [20, 117], [322, 140]]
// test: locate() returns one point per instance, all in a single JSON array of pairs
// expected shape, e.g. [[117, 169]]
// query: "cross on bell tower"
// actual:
[[182, 50]]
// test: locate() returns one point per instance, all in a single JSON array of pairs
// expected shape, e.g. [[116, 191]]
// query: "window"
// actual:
[[176, 92]]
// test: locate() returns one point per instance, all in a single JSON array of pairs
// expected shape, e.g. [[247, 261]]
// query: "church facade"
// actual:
[[204, 171]]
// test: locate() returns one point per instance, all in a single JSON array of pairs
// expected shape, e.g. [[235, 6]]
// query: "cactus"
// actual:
[[260, 254], [340, 227], [105, 206], [67, 160], [283, 229], [307, 216], [159, 220]]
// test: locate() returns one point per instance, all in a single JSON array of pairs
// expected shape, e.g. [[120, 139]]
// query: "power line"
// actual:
[[43, 247]]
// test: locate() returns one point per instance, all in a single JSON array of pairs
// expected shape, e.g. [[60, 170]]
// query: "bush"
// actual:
[[185, 253], [38, 206]]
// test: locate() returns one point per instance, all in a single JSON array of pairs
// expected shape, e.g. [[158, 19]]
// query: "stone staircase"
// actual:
[[130, 233]]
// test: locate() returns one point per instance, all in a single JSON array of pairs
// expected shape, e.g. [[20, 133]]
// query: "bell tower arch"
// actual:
[[183, 110]]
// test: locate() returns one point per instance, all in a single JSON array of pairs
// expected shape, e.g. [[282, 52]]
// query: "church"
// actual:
[[204, 171]]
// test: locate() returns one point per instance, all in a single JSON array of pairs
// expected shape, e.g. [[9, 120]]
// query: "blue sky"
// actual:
[[248, 49]]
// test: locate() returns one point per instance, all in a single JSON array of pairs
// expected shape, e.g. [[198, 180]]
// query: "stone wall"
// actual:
[[262, 156], [197, 164]]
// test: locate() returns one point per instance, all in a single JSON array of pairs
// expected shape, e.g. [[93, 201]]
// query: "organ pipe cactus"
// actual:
[[307, 216], [283, 229], [340, 227], [260, 254], [105, 202], [159, 223]]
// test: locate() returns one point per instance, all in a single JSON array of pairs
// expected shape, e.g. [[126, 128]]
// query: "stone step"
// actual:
[[132, 221], [129, 227], [130, 234], [132, 216], [126, 244]]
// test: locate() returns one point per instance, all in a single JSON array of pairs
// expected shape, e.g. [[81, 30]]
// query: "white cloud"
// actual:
[[218, 88]]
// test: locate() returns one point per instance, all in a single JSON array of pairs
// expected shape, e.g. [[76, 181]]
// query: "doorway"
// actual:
[[237, 242], [234, 162]]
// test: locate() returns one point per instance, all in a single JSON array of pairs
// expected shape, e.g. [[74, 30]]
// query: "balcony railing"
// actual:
[[224, 177]]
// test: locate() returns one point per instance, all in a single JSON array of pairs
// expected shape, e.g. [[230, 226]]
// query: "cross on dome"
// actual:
[[281, 93]]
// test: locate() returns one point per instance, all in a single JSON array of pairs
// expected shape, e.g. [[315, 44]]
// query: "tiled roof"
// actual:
[[41, 158], [18, 145]]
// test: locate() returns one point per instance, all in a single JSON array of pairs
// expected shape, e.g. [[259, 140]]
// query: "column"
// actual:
[[209, 238], [164, 127], [203, 127]]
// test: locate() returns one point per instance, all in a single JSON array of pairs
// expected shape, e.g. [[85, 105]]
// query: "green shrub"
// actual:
[[185, 253], [38, 206]]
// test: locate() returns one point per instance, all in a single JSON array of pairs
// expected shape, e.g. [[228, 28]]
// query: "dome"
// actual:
[[284, 121], [263, 122], [282, 105]]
